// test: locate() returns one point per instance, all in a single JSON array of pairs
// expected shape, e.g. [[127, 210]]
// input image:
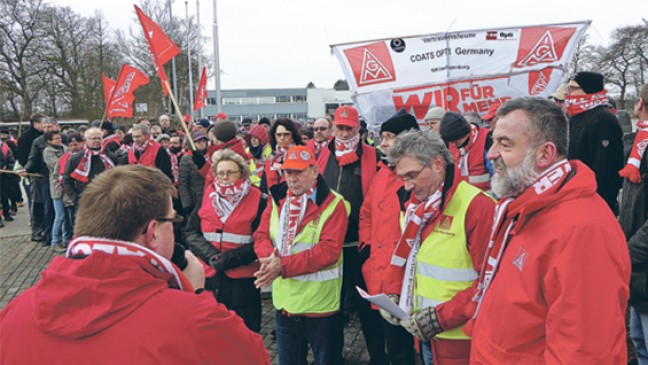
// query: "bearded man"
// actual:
[[554, 285]]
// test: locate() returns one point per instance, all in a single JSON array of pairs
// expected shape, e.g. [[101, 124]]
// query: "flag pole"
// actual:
[[182, 122], [103, 117]]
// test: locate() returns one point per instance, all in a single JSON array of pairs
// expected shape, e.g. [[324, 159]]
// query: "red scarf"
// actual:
[[417, 217], [83, 168], [465, 150], [292, 214], [320, 145], [345, 150], [577, 104], [175, 168], [144, 145], [278, 158], [226, 197], [85, 246], [631, 169], [504, 221]]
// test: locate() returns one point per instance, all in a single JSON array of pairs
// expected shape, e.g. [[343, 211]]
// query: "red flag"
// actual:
[[109, 86], [201, 93], [161, 46], [121, 101]]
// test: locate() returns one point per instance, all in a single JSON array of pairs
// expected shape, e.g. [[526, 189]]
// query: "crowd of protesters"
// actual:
[[496, 236]]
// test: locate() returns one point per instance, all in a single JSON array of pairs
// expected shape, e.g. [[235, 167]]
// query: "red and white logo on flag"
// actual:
[[538, 81], [371, 64], [542, 45]]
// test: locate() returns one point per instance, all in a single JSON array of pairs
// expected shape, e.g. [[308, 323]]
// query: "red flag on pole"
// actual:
[[121, 101], [161, 46], [201, 93], [109, 86]]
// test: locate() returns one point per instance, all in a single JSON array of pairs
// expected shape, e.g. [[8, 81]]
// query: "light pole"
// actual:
[[191, 100], [202, 112], [219, 102], [173, 63]]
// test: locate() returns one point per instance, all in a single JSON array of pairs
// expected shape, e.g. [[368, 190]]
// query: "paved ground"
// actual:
[[21, 262]]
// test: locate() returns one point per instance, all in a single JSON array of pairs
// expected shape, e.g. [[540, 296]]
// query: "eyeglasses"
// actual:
[[573, 88], [283, 135], [222, 174], [412, 175], [177, 218], [320, 129]]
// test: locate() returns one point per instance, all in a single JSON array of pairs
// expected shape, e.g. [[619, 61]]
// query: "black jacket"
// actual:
[[596, 138], [25, 143], [73, 188], [190, 183], [347, 181], [633, 218]]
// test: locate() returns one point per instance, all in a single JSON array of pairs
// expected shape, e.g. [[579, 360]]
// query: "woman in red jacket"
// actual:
[[284, 135], [219, 232]]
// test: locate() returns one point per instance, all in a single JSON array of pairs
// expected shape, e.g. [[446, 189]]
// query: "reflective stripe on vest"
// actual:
[[313, 293], [239, 239], [444, 273], [323, 275], [479, 179], [443, 265]]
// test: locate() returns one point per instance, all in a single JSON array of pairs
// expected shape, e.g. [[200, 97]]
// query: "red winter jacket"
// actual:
[[560, 293], [105, 309], [380, 227]]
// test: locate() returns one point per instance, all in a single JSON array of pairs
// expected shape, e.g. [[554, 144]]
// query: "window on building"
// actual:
[[249, 100], [283, 115], [299, 99], [211, 101], [266, 99], [230, 101], [283, 99]]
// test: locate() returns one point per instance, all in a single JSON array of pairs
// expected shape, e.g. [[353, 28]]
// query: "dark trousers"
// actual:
[[240, 296], [294, 333], [370, 320], [5, 194], [400, 344]]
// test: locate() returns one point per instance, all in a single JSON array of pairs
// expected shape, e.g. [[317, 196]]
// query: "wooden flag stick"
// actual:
[[17, 173], [177, 108], [103, 117]]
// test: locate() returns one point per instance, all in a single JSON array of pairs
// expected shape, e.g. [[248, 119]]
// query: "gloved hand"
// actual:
[[424, 324], [198, 157], [393, 320], [216, 263]]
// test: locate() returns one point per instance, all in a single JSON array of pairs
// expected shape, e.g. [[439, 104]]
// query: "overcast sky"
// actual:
[[272, 43]]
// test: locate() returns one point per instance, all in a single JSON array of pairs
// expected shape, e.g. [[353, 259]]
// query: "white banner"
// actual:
[[460, 71]]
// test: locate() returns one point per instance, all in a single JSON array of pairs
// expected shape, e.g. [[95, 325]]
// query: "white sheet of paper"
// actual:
[[382, 301]]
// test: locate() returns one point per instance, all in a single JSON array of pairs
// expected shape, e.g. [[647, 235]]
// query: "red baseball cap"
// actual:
[[298, 158], [492, 111], [221, 116], [346, 115]]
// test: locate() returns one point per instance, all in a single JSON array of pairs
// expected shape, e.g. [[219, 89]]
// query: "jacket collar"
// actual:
[[279, 191]]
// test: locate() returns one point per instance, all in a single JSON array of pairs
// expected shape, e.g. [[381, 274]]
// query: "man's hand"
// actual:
[[22, 173], [393, 320], [424, 324], [269, 271], [194, 271]]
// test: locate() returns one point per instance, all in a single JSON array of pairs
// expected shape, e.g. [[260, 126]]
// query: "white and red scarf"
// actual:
[[504, 222], [175, 168], [279, 156], [144, 145], [465, 150], [85, 246], [631, 169], [345, 150], [417, 217], [320, 145], [577, 104], [292, 214], [226, 197], [83, 168]]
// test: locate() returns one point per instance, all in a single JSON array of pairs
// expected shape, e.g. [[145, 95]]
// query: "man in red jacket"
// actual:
[[380, 230], [116, 298], [299, 245], [147, 152], [437, 258], [554, 286]]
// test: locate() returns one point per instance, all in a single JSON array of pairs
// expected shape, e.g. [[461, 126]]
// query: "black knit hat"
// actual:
[[453, 127], [590, 82], [264, 120], [225, 131], [399, 122]]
